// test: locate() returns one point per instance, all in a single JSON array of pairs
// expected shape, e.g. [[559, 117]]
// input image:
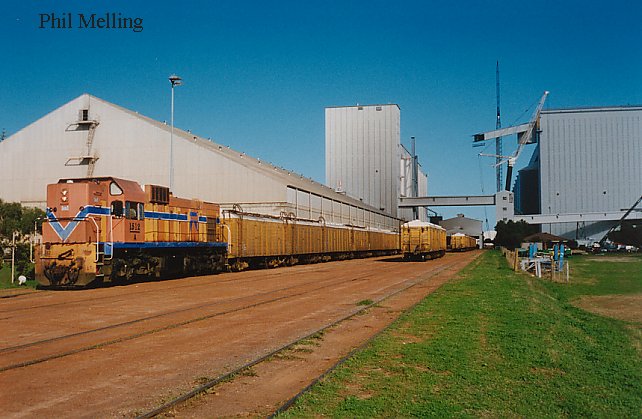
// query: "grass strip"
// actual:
[[496, 343]]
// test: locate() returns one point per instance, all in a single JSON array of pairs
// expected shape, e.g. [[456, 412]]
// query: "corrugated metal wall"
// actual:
[[134, 147], [405, 186], [127, 147], [591, 161], [362, 153]]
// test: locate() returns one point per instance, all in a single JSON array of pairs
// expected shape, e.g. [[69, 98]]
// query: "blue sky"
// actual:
[[258, 75]]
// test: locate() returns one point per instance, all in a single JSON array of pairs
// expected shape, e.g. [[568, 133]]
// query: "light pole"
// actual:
[[32, 242], [176, 81], [13, 256]]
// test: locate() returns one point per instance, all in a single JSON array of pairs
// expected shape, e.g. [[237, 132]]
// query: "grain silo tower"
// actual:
[[363, 154]]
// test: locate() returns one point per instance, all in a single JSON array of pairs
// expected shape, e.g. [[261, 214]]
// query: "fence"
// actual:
[[512, 257], [557, 270]]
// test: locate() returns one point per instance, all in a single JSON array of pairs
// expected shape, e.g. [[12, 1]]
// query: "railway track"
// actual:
[[405, 285], [131, 322], [195, 333], [175, 284], [327, 284]]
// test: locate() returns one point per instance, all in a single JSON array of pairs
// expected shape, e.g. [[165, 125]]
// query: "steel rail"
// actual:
[[180, 282], [330, 283], [206, 386], [161, 281], [142, 319]]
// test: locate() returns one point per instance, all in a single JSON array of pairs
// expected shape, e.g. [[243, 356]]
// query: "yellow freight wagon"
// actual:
[[256, 240], [459, 242], [422, 240]]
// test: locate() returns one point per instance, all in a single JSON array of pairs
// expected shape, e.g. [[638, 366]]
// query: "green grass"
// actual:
[[495, 343], [5, 279]]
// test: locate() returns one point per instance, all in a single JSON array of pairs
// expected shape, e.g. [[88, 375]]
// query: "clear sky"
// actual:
[[258, 74]]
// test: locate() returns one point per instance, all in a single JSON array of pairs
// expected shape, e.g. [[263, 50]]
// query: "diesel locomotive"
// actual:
[[110, 229]]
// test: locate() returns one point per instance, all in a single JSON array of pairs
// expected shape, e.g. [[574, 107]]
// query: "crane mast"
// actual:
[[526, 134], [498, 140]]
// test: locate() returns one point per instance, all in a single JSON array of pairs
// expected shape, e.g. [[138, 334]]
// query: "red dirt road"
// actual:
[[122, 351]]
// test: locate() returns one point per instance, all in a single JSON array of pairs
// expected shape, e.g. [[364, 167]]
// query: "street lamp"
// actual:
[[175, 81]]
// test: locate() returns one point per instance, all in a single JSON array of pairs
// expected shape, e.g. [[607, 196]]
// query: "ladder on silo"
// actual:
[[90, 141], [88, 159]]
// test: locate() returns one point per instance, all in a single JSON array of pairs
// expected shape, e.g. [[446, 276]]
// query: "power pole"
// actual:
[[498, 140]]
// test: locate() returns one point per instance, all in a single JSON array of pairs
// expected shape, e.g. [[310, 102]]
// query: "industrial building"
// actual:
[[413, 182], [462, 225], [365, 158], [587, 161], [89, 136]]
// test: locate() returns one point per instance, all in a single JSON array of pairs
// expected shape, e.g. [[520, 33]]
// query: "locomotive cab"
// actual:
[[127, 212], [84, 218]]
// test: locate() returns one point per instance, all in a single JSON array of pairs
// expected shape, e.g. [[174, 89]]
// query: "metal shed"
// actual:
[[590, 161]]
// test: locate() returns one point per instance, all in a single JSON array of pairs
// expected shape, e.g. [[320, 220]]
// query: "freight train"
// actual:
[[106, 229]]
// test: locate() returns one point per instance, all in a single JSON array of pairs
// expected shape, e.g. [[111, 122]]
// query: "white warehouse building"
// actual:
[[89, 136]]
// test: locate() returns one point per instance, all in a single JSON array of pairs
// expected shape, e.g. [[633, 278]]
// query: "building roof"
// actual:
[[363, 106], [461, 224], [419, 223], [282, 175], [593, 109]]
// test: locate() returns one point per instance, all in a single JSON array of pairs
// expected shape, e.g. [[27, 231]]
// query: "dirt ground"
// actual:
[[618, 259], [122, 351], [623, 307]]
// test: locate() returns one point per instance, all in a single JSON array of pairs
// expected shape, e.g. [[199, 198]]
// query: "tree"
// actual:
[[511, 234], [14, 217]]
